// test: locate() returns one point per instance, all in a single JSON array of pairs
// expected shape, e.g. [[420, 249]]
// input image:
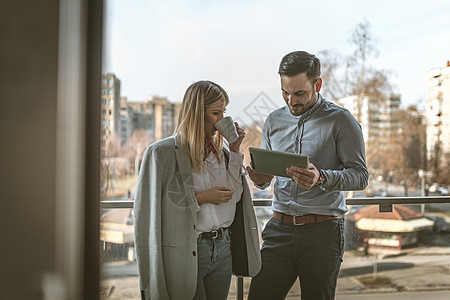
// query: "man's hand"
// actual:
[[215, 195], [305, 178], [258, 178]]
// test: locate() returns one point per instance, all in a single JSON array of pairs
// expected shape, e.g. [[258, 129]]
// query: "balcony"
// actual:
[[421, 270]]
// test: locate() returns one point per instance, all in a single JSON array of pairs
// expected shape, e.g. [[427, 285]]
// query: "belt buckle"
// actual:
[[294, 221], [216, 234]]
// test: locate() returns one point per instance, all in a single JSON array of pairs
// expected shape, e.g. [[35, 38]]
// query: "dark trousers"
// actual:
[[311, 252]]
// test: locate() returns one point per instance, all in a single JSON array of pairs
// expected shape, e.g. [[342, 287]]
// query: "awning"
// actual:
[[116, 233], [389, 225]]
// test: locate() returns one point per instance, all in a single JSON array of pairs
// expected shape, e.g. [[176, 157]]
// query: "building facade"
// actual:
[[120, 116], [125, 129], [156, 115], [378, 116], [399, 229], [438, 117], [110, 114]]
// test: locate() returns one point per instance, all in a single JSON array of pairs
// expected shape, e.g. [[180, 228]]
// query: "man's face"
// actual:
[[299, 93]]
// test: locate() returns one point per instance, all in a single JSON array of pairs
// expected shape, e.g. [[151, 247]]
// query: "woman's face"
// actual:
[[213, 114]]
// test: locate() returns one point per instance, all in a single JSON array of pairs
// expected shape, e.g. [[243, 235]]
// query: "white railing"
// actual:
[[385, 203]]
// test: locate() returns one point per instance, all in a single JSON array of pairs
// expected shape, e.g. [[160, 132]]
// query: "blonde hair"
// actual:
[[191, 120]]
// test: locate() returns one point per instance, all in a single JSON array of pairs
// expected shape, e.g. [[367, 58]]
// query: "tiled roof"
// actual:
[[399, 212]]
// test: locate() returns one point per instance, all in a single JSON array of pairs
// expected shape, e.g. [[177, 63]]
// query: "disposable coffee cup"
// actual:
[[227, 128]]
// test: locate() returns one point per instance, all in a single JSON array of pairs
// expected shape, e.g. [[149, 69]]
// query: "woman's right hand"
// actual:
[[215, 195]]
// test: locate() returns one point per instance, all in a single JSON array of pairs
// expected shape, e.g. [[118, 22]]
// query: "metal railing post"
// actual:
[[240, 288]]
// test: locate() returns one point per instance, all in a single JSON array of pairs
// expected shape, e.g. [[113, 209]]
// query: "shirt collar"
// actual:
[[315, 106], [208, 147]]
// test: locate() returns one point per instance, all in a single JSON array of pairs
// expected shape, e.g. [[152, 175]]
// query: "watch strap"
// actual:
[[321, 180]]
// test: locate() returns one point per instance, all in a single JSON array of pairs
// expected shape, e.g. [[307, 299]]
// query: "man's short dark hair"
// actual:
[[298, 62]]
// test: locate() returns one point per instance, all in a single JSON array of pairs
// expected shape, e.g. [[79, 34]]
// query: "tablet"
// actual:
[[275, 162]]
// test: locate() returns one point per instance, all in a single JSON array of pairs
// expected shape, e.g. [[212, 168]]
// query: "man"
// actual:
[[305, 236]]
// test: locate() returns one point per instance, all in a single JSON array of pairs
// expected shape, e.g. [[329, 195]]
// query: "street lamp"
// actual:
[[422, 188]]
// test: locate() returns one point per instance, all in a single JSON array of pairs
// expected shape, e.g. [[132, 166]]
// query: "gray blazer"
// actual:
[[165, 212]]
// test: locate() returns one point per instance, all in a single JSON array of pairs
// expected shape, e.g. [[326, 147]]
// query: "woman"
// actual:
[[190, 198]]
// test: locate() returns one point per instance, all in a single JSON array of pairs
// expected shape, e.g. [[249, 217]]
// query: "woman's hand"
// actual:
[[235, 146], [215, 195]]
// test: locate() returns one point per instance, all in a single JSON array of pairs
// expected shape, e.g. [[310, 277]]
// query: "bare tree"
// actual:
[[414, 139], [252, 139], [137, 143], [402, 152], [363, 80], [335, 83], [384, 155], [365, 46], [445, 178], [110, 149], [352, 75], [377, 84]]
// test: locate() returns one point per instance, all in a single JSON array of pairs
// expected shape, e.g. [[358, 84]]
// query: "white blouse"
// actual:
[[212, 216]]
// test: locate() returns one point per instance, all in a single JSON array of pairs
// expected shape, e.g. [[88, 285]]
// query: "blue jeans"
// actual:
[[214, 268], [311, 252]]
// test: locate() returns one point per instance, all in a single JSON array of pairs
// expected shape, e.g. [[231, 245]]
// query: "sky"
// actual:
[[158, 48]]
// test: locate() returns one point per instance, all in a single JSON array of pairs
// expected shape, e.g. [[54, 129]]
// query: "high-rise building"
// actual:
[[438, 116], [124, 122], [378, 116], [110, 113]]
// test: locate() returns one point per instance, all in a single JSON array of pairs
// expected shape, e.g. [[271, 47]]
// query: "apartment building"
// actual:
[[377, 116], [125, 129], [120, 116], [110, 107], [438, 116], [156, 114]]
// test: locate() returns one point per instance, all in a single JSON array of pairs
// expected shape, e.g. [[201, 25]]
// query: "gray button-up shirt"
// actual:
[[333, 140]]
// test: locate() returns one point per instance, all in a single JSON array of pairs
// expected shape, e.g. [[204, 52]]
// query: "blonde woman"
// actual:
[[194, 219]]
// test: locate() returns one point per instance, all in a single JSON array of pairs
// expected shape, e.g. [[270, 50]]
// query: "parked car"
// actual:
[[433, 188], [443, 190], [380, 193], [440, 224]]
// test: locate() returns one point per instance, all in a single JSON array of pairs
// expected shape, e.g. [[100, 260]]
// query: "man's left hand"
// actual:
[[305, 178]]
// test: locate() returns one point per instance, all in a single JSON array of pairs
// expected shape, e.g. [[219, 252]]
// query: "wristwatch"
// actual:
[[321, 180]]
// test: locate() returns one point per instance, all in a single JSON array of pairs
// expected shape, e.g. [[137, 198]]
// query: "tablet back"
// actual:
[[275, 162]]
